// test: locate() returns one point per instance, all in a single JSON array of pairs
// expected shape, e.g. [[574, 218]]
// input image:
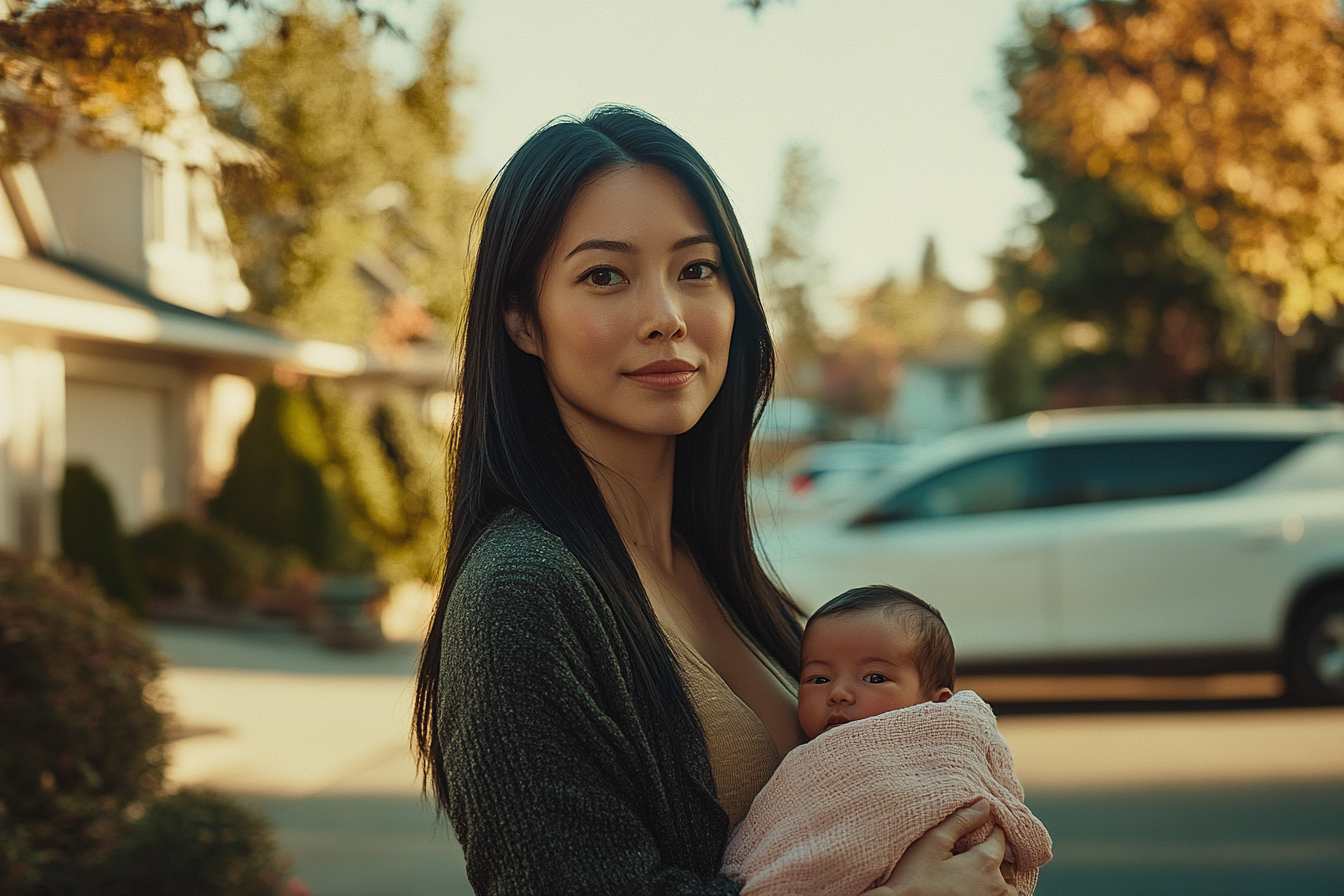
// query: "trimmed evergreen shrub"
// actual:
[[275, 493], [91, 537], [195, 842], [357, 491], [83, 741], [173, 553], [166, 554]]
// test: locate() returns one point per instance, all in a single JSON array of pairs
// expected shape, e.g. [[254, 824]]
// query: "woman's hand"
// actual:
[[928, 867]]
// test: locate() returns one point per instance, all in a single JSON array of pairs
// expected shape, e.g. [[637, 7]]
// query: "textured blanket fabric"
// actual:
[[842, 809]]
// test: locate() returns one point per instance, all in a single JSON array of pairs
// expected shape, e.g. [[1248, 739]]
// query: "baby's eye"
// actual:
[[816, 679], [874, 678], [605, 277], [699, 270]]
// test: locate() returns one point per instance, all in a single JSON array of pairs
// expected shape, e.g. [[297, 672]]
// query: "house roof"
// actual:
[[68, 299]]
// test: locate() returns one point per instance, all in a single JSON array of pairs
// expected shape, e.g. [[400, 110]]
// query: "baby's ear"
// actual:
[[942, 695]]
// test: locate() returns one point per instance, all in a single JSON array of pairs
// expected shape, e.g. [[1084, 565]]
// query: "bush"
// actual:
[[90, 536], [390, 467], [195, 842], [83, 754], [275, 493], [173, 554], [83, 741]]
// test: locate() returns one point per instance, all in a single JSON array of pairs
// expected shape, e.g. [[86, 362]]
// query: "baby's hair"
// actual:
[[932, 651]]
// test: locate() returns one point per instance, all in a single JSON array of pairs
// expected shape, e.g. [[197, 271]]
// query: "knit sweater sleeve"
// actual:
[[554, 786]]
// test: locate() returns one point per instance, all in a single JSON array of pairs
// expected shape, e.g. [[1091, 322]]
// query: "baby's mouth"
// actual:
[[836, 720]]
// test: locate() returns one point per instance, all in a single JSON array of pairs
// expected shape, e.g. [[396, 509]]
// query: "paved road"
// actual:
[[1230, 798]]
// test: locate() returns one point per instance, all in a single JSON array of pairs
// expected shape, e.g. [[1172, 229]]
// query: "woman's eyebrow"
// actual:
[[610, 245], [693, 240], [625, 248]]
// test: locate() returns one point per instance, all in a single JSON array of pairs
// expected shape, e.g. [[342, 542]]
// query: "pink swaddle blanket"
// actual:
[[842, 809]]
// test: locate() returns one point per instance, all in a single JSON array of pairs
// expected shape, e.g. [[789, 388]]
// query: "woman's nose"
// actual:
[[663, 319]]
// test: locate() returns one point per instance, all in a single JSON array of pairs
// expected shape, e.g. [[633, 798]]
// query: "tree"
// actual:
[[92, 66], [791, 265], [364, 170], [1112, 303], [1229, 114]]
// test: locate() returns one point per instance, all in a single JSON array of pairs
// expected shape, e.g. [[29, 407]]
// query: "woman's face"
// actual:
[[634, 317]]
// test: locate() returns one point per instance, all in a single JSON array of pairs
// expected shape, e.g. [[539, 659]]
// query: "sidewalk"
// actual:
[[318, 741]]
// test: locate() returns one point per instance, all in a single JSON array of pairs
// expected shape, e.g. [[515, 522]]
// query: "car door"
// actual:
[[1165, 554], [968, 539]]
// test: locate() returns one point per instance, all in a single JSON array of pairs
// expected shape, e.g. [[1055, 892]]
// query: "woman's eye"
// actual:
[[604, 277], [700, 270], [875, 678]]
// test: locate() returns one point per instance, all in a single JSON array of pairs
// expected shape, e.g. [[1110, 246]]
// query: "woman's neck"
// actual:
[[634, 473]]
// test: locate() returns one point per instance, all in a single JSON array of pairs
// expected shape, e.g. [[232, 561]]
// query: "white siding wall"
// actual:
[[32, 444], [97, 199]]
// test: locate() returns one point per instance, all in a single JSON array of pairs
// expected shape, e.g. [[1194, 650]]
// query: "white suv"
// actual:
[[1118, 538]]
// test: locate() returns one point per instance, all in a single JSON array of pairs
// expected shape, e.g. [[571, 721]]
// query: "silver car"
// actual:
[[1112, 538]]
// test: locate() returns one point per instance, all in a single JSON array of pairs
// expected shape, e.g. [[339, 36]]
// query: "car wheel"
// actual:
[[1316, 652]]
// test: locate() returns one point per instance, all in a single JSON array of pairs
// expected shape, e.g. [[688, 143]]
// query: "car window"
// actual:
[[1080, 474], [1008, 481], [1119, 471]]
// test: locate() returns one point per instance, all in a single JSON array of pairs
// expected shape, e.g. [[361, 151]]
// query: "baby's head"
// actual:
[[869, 651]]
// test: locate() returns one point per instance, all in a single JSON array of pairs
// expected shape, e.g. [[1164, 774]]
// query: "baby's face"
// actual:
[[856, 665]]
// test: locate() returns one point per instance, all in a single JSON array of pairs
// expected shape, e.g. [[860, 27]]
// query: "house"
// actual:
[[120, 341]]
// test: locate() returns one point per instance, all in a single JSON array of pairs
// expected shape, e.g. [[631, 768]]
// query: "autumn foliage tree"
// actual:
[[91, 66], [1230, 114]]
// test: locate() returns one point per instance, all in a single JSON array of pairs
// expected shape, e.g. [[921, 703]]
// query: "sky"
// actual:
[[903, 98]]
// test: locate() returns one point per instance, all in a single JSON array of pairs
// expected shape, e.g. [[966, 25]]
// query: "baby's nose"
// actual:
[[839, 694]]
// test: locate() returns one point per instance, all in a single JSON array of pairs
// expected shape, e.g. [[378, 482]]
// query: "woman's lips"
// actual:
[[671, 374]]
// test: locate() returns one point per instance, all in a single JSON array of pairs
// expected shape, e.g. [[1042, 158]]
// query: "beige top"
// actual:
[[742, 754]]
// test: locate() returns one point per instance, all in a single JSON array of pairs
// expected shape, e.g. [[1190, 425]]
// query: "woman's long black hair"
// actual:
[[511, 449]]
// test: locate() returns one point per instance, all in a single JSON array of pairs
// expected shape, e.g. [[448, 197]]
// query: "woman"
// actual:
[[607, 678]]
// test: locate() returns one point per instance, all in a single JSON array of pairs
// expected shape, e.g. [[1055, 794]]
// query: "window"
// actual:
[[196, 181], [154, 223], [1059, 475], [1009, 481], [1121, 471]]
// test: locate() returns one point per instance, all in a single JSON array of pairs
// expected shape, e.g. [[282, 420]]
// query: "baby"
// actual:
[[891, 752]]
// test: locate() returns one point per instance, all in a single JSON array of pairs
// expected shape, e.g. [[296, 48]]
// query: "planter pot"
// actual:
[[349, 618]]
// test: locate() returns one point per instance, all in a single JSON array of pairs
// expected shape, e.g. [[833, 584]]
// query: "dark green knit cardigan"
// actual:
[[559, 782]]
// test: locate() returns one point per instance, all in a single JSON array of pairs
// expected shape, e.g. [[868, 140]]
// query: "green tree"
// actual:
[[363, 169], [791, 266]]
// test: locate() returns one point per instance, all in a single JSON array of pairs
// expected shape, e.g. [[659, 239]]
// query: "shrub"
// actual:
[[166, 552], [90, 536], [174, 553], [390, 465], [195, 842], [82, 738], [275, 493]]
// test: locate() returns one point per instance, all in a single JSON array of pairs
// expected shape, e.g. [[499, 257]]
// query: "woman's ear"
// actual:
[[522, 331]]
